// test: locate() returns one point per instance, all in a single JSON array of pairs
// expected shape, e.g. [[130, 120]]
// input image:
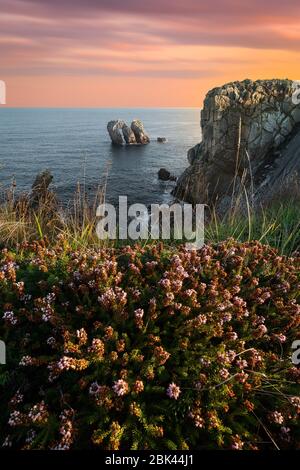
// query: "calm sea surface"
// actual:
[[75, 146]]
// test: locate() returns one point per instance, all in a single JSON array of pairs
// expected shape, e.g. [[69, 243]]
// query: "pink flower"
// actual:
[[280, 337], [9, 317], [120, 387], [139, 313], [173, 391], [276, 417], [224, 373], [94, 388]]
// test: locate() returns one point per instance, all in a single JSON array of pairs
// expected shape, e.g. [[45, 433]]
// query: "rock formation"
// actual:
[[162, 140], [40, 192], [250, 140], [115, 131], [165, 175], [139, 132], [128, 135], [121, 134]]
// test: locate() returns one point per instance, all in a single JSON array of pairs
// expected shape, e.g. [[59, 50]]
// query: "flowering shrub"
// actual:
[[149, 347]]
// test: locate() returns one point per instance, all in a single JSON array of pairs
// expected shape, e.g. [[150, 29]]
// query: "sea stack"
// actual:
[[121, 134]]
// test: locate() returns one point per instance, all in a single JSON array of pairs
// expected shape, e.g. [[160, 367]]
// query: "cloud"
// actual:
[[174, 39]]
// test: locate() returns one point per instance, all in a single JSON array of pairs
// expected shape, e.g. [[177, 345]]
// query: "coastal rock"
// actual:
[[128, 135], [121, 134], [250, 140], [162, 140], [40, 189], [115, 131], [165, 175], [139, 132]]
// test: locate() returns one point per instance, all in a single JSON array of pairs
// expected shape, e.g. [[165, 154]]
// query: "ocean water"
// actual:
[[75, 146]]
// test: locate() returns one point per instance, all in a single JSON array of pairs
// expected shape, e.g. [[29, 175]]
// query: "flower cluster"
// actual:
[[149, 347]]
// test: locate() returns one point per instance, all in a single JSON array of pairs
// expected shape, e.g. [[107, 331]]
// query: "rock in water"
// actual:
[[115, 131], [128, 135], [165, 175], [162, 140], [251, 138], [139, 132]]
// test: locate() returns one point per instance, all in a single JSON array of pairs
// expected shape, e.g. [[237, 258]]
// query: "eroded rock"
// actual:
[[115, 131], [139, 132], [165, 175], [246, 127], [128, 135], [121, 134]]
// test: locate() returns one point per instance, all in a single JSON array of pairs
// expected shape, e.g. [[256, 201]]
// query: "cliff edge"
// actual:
[[250, 140]]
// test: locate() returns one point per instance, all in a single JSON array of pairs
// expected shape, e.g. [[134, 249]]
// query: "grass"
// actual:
[[277, 224]]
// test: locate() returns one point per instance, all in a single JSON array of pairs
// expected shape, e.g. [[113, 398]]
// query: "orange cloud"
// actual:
[[160, 53]]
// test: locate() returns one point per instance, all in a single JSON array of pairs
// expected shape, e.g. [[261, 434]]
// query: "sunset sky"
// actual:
[[129, 53]]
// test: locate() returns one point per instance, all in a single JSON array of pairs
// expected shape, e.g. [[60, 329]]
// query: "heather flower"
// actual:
[[82, 336], [237, 443], [224, 374], [161, 355], [231, 336], [276, 417], [260, 331], [27, 361], [198, 420], [109, 332], [173, 391], [205, 362], [138, 386], [16, 418], [17, 398], [97, 348], [94, 388], [226, 317], [10, 317], [120, 345], [139, 313], [165, 283], [280, 337], [120, 387], [241, 363], [38, 413]]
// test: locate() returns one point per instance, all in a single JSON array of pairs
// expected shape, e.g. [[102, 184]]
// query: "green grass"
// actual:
[[277, 224]]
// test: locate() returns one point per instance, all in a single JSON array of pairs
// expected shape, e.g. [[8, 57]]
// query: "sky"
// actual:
[[141, 53]]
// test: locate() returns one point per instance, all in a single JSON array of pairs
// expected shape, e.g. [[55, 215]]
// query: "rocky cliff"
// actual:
[[250, 140]]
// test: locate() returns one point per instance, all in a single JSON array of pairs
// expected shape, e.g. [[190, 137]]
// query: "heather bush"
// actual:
[[149, 347]]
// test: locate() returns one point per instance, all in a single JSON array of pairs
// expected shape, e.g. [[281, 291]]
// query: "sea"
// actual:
[[75, 146]]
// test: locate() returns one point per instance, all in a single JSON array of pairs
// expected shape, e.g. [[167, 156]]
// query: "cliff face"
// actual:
[[250, 138]]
